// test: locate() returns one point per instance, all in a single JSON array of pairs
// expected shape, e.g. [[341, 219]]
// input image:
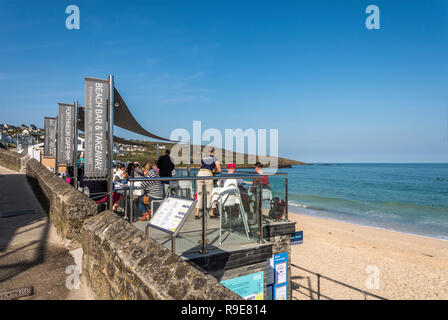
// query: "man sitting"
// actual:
[[137, 172], [231, 170], [225, 183], [263, 180], [242, 186]]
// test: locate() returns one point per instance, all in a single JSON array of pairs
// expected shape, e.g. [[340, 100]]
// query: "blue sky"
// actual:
[[336, 91]]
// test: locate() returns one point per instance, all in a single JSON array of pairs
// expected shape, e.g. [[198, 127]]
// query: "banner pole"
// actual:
[[56, 146], [189, 158], [111, 142], [75, 148]]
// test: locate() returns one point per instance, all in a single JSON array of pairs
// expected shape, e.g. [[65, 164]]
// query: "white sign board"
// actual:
[[280, 272], [171, 213], [281, 293]]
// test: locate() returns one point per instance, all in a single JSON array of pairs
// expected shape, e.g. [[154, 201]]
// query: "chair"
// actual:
[[138, 192], [86, 191], [173, 188], [155, 204], [228, 196], [266, 195], [186, 186]]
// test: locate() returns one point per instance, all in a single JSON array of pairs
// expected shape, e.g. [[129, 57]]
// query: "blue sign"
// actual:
[[297, 238], [250, 287], [277, 277]]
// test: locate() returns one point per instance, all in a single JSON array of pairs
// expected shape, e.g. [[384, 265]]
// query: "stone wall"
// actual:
[[120, 262], [13, 160], [67, 208], [280, 237]]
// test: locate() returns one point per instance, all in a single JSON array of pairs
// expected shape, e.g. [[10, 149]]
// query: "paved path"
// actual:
[[31, 253]]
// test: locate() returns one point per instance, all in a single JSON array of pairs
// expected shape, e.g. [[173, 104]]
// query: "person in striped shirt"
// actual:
[[153, 189]]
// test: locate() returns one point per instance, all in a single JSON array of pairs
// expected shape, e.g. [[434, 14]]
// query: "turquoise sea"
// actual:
[[410, 198]]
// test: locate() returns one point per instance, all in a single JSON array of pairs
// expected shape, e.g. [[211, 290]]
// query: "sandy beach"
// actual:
[[410, 267]]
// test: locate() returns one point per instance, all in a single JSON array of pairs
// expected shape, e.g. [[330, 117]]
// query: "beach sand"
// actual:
[[410, 267]]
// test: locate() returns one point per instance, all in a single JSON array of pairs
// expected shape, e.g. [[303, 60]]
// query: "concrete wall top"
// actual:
[[13, 160]]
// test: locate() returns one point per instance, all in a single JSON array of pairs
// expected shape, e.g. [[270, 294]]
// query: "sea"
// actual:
[[409, 198]]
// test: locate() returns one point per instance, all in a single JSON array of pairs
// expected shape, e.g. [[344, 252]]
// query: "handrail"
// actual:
[[218, 177], [366, 293]]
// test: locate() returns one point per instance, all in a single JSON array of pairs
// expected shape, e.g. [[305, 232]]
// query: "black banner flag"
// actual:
[[66, 133], [95, 119], [50, 137]]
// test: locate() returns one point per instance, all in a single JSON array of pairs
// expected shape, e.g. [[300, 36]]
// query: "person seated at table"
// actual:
[[138, 171], [263, 180], [146, 167], [231, 168], [154, 190], [223, 183], [155, 167], [242, 186], [120, 174], [117, 199]]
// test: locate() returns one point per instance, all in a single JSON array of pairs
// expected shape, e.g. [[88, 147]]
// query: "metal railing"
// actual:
[[129, 197], [320, 295]]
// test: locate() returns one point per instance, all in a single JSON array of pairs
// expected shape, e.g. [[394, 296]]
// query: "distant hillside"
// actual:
[[151, 153]]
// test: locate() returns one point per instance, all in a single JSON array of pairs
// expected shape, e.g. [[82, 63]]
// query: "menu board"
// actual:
[[171, 213]]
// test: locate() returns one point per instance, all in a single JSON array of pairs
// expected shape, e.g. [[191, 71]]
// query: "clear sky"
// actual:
[[336, 91]]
